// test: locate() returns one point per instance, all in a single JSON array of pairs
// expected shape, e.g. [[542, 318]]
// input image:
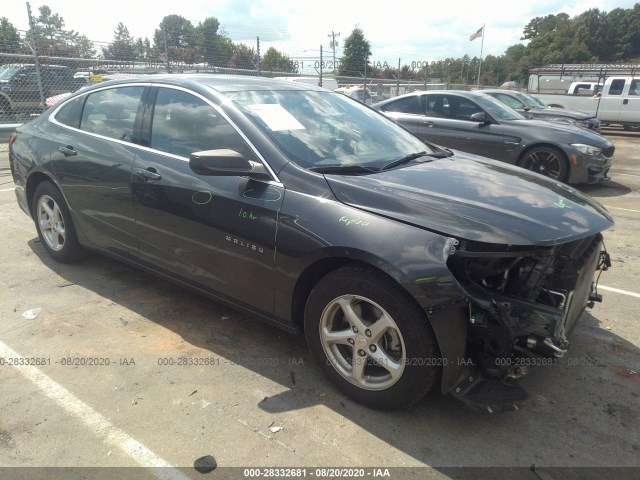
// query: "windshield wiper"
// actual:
[[405, 159], [344, 169]]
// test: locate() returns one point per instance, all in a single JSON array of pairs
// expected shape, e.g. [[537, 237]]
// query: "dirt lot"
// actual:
[[174, 378]]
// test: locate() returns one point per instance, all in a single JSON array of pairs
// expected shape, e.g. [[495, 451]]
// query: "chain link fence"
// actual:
[[37, 68]]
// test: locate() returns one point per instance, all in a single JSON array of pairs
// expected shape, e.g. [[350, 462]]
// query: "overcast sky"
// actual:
[[431, 31]]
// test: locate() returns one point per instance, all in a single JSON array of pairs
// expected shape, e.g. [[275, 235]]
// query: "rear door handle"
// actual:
[[67, 151], [149, 173]]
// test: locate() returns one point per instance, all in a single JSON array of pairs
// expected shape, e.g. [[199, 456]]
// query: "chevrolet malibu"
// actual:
[[477, 123], [408, 267]]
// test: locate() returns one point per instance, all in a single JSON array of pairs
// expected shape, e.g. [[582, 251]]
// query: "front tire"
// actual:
[[55, 227], [547, 161], [370, 338]]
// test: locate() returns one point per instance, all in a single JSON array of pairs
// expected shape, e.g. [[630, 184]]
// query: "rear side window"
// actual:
[[112, 112], [183, 123], [405, 105], [69, 114], [438, 106], [616, 87]]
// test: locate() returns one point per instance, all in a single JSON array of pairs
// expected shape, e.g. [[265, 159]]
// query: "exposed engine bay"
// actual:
[[523, 301]]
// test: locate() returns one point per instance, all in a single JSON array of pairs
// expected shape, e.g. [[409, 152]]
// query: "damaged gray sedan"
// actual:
[[407, 266]]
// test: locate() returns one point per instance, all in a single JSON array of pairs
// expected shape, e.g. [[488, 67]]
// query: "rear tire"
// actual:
[[54, 224], [370, 338]]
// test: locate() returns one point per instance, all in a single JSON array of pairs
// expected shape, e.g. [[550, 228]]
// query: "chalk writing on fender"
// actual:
[[353, 221]]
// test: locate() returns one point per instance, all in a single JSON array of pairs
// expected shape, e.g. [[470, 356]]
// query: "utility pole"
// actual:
[[166, 50], [258, 46], [333, 44], [36, 59]]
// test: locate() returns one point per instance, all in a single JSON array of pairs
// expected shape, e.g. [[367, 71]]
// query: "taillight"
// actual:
[[13, 138]]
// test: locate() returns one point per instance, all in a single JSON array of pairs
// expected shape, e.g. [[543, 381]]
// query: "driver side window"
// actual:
[[183, 124]]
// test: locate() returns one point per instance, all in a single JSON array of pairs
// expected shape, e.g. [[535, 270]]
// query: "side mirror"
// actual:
[[227, 163], [479, 117]]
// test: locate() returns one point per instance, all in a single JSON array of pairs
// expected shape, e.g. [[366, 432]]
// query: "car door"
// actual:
[[217, 232], [448, 123], [92, 154], [612, 101], [630, 109]]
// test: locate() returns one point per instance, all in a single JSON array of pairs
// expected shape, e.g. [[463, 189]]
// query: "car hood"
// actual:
[[473, 199], [564, 133], [562, 112]]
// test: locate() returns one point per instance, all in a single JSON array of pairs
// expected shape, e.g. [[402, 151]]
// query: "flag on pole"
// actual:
[[477, 34]]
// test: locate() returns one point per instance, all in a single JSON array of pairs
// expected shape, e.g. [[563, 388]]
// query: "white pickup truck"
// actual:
[[617, 104]]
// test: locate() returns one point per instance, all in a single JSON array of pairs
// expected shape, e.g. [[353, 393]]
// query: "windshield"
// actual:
[[497, 109], [531, 100], [7, 72], [320, 129]]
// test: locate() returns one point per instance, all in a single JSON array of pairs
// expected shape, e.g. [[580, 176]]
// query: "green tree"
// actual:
[[180, 36], [207, 40], [275, 61], [625, 25], [9, 37], [225, 50], [243, 57], [357, 50], [515, 63], [142, 49], [53, 40], [594, 32], [122, 47], [51, 37], [83, 47]]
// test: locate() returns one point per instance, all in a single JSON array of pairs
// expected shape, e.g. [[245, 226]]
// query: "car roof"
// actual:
[[498, 90], [219, 82], [462, 93]]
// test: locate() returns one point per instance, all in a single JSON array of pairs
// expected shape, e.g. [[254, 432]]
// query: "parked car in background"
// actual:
[[618, 102], [407, 266], [532, 107], [19, 90], [358, 92], [95, 76], [477, 123], [584, 88]]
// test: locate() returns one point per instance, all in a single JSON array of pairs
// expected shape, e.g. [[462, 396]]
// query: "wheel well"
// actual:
[[313, 274], [34, 180], [542, 145]]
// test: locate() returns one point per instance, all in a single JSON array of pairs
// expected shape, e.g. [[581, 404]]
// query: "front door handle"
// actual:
[[625, 101], [67, 151], [149, 173], [428, 123]]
